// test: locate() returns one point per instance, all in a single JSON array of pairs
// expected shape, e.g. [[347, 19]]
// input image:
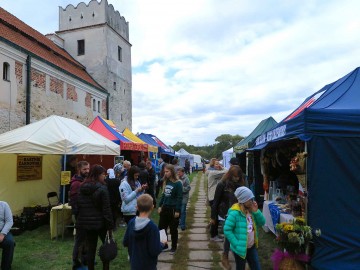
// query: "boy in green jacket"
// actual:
[[241, 227]]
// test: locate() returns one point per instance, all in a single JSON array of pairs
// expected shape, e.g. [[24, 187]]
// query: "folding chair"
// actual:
[[53, 199]]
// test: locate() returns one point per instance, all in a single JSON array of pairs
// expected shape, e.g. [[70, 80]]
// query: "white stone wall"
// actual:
[[72, 100]]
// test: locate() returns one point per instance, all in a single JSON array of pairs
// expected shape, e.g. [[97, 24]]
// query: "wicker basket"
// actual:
[[302, 180], [291, 264]]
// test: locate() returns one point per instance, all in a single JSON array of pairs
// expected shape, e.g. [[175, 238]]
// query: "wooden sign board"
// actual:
[[29, 168]]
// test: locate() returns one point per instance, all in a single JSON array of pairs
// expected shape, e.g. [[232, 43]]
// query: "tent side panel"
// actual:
[[28, 193], [334, 188]]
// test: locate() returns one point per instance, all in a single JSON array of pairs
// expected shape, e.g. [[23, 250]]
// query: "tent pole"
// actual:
[[306, 184], [63, 195]]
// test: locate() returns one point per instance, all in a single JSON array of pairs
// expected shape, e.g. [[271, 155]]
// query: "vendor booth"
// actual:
[[165, 152], [185, 155], [31, 159], [132, 151], [250, 161], [320, 143]]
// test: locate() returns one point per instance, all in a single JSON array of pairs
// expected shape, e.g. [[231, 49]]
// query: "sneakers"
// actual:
[[225, 261], [172, 251], [165, 247], [216, 239]]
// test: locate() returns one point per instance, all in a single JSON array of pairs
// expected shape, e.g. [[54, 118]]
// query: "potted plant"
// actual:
[[292, 239]]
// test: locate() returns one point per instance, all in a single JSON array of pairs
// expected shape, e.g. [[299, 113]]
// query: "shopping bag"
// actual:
[[108, 250]]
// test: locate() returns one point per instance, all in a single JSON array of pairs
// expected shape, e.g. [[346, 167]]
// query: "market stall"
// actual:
[[35, 151], [325, 128], [165, 152]]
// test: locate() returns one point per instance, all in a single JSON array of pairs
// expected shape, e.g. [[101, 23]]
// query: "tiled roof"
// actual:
[[21, 34]]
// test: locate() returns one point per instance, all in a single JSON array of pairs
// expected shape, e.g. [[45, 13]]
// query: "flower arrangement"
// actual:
[[297, 163], [293, 237]]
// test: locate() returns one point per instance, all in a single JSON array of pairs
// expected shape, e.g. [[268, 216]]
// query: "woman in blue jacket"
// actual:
[[241, 227], [130, 190]]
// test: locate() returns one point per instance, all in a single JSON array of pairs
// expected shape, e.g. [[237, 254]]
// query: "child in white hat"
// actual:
[[241, 225]]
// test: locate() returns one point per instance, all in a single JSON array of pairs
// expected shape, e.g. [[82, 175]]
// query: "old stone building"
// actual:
[[82, 71]]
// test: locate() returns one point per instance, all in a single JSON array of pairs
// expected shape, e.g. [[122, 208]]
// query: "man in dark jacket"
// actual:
[[151, 181], [144, 175], [83, 168], [94, 212]]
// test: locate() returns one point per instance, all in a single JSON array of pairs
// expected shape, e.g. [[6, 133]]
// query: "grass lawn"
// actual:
[[34, 250]]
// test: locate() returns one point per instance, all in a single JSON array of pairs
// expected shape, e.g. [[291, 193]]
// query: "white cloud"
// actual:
[[208, 67]]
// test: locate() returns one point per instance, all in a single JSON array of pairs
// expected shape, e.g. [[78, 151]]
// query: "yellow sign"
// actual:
[[65, 177], [29, 168]]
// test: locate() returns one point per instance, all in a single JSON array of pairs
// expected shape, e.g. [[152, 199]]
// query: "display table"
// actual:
[[273, 215], [60, 216]]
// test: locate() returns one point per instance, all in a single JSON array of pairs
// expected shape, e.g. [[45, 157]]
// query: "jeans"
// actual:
[[183, 216], [7, 246], [251, 257]]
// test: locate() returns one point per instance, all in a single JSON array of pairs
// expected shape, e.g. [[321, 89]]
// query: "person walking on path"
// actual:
[[186, 189], [94, 216], [170, 205], [214, 177], [224, 198], [241, 225]]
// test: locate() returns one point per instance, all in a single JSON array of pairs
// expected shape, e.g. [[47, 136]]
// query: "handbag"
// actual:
[[108, 250]]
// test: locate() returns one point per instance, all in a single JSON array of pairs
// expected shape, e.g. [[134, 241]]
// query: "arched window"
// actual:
[[6, 71], [94, 105], [114, 86], [98, 106]]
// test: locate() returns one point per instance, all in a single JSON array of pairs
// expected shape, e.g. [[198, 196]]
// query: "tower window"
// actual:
[[119, 54], [98, 106], [81, 47], [121, 117], [114, 86], [6, 71], [124, 91]]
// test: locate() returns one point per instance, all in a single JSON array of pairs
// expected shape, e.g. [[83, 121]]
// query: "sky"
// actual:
[[208, 67]]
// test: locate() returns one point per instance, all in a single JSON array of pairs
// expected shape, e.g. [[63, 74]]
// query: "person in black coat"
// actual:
[[94, 216], [151, 181], [224, 198]]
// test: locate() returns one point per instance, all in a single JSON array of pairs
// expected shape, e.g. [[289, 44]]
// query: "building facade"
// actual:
[[40, 78], [98, 37]]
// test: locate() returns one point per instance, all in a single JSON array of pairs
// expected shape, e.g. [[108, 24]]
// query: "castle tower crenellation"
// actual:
[[94, 13], [97, 36]]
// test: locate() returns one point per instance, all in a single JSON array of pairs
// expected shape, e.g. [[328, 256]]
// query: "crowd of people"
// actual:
[[125, 195], [101, 199]]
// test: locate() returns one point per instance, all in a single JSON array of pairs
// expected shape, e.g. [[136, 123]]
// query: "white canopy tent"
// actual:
[[183, 155], [49, 138], [227, 155], [56, 135]]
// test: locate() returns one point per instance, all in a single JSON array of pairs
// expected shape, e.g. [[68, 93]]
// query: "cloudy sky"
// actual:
[[208, 67]]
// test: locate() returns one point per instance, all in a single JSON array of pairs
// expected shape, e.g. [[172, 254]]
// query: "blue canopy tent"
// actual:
[[329, 122], [153, 140]]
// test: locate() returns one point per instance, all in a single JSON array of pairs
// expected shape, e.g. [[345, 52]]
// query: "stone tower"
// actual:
[[98, 37]]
